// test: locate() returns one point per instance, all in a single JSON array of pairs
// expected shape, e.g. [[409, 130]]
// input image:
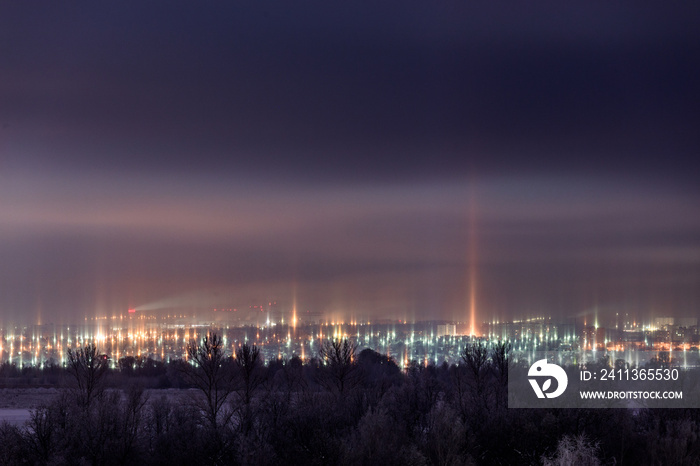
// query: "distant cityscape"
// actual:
[[281, 335]]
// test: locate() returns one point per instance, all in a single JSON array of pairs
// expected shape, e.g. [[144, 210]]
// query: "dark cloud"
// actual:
[[351, 91]]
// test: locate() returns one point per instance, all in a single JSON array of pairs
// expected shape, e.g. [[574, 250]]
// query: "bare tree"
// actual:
[[130, 424], [574, 451], [44, 432], [340, 363], [472, 383], [210, 375], [475, 356], [88, 367], [499, 359], [248, 362]]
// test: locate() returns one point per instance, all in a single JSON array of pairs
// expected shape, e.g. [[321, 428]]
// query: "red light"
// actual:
[[131, 311]]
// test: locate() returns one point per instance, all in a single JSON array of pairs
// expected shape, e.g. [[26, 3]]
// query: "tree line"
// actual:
[[340, 407]]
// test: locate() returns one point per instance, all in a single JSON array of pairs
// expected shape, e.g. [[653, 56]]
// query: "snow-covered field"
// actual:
[[25, 398], [14, 416], [16, 403]]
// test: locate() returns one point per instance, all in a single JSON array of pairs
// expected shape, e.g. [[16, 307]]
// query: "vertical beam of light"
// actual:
[[472, 260], [294, 308]]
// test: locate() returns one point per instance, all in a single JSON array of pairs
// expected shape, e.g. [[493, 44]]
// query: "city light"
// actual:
[[166, 339]]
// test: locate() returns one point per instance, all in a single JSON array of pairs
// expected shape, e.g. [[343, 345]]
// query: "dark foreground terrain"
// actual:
[[340, 408]]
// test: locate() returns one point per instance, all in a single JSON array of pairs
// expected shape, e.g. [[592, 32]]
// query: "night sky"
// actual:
[[362, 160]]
